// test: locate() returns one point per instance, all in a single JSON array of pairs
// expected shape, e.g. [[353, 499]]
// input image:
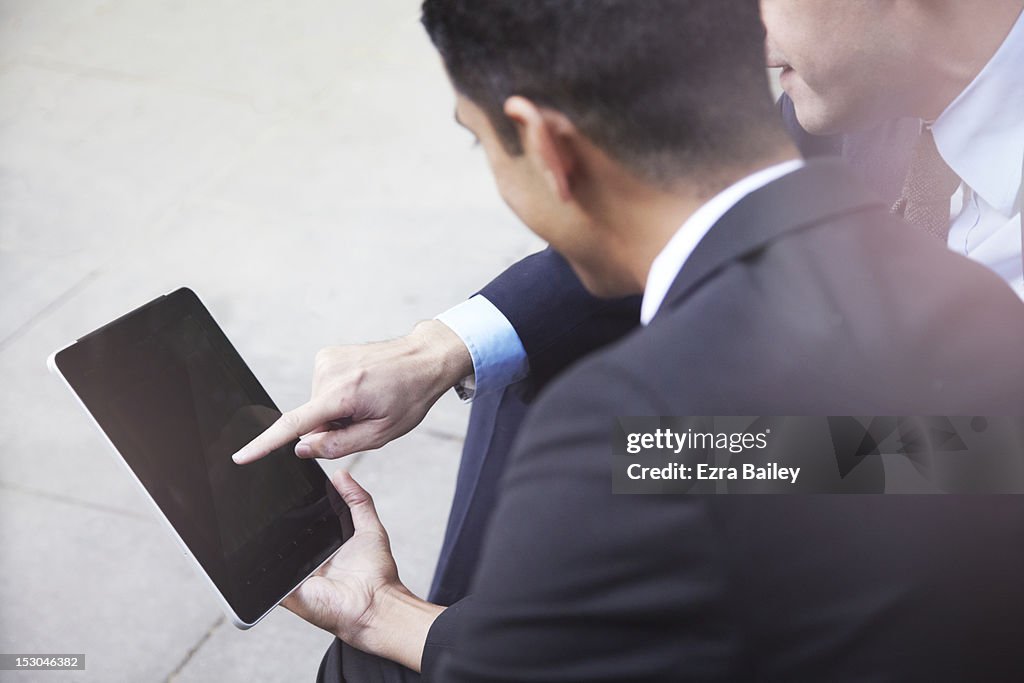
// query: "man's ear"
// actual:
[[546, 137]]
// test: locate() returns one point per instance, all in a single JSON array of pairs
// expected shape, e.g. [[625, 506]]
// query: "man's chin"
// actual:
[[820, 117], [812, 112], [818, 123], [606, 281], [607, 289]]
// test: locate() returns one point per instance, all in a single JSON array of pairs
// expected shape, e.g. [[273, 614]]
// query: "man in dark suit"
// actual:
[[990, 39], [769, 287], [838, 89]]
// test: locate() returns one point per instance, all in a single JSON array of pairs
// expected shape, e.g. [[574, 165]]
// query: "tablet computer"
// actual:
[[175, 400]]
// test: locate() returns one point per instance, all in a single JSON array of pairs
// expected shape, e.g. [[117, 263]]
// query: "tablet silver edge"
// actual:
[[51, 363]]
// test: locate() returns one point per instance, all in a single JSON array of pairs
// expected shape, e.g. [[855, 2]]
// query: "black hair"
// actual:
[[666, 87]]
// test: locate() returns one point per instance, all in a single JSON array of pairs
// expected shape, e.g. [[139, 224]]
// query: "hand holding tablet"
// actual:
[[358, 596]]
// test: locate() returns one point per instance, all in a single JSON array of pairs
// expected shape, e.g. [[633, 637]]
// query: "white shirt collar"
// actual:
[[667, 264], [981, 133]]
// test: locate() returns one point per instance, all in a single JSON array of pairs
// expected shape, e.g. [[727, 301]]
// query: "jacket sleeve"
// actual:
[[441, 638], [556, 319]]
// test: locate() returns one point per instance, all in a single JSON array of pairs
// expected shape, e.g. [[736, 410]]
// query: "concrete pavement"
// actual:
[[294, 163]]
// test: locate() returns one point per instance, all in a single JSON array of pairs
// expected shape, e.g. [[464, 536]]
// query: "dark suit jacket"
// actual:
[[805, 299], [559, 323]]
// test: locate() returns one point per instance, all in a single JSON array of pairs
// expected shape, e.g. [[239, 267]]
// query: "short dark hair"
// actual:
[[663, 86]]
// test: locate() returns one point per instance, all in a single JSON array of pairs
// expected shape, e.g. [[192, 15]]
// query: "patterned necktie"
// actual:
[[930, 183]]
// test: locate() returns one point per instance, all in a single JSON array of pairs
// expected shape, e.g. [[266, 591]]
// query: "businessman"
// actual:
[[769, 287], [876, 69]]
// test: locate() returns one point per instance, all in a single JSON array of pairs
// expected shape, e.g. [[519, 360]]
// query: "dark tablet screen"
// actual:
[[176, 399]]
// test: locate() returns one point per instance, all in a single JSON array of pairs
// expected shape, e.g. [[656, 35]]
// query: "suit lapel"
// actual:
[[822, 189]]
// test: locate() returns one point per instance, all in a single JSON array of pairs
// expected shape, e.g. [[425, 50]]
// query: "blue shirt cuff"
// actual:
[[499, 358]]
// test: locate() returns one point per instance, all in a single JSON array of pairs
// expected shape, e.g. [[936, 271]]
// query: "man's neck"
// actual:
[[959, 39], [639, 227]]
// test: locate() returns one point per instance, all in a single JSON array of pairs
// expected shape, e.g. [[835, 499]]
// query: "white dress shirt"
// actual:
[[981, 137]]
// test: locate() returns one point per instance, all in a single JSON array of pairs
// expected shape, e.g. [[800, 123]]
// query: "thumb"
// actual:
[[360, 503]]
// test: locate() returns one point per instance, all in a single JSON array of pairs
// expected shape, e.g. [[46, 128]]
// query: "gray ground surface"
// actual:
[[297, 165]]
